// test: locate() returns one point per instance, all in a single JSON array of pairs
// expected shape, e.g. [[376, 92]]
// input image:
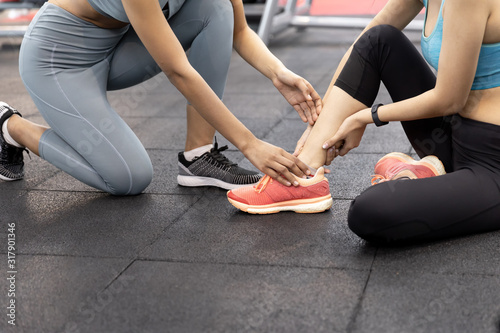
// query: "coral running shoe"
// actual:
[[399, 165], [269, 196]]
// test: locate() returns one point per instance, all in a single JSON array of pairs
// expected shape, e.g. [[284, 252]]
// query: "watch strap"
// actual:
[[375, 117]]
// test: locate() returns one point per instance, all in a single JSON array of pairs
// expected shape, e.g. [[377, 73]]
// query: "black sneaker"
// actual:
[[11, 158], [214, 169]]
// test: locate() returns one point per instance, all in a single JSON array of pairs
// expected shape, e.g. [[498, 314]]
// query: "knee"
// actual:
[[221, 17], [370, 215], [360, 217], [379, 35], [388, 214], [219, 12], [141, 179], [223, 8], [132, 180]]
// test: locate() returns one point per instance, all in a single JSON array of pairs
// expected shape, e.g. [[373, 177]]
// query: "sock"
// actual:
[[7, 136], [191, 154]]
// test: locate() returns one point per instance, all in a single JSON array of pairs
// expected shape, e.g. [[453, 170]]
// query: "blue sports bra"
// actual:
[[488, 66], [114, 8]]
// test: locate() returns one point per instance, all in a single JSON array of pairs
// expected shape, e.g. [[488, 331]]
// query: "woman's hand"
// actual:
[[330, 154], [349, 134], [275, 162], [300, 94]]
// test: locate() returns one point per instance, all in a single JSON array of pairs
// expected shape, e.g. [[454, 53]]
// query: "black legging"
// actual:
[[464, 201]]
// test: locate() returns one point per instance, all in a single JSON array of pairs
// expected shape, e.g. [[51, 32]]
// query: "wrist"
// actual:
[[246, 143], [375, 116], [364, 117], [276, 71]]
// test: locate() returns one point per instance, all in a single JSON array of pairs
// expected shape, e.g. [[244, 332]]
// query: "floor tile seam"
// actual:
[[410, 150], [158, 235], [143, 259], [357, 308], [194, 262], [142, 194], [34, 254], [460, 274], [229, 263], [279, 121], [38, 183], [117, 276], [104, 193]]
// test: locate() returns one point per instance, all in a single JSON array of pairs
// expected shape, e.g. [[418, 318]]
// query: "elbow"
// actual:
[[176, 69], [178, 75], [451, 108], [239, 37], [173, 74], [447, 105]]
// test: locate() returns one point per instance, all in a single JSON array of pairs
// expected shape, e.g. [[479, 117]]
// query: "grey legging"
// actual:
[[68, 64]]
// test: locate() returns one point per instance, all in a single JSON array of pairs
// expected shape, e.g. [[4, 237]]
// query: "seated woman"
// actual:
[[454, 117], [74, 51]]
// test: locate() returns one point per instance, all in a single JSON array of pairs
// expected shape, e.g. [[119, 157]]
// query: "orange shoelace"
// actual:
[[377, 179], [263, 183]]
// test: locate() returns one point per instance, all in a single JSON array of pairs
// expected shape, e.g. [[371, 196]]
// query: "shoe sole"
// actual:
[[9, 179], [431, 161], [195, 181], [435, 163], [304, 206], [3, 177]]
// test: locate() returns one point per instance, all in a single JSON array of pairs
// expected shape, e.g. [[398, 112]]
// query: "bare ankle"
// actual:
[[14, 125], [311, 162]]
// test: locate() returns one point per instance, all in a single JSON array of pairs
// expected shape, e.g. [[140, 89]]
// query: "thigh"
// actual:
[[459, 203], [202, 27], [130, 63], [207, 27]]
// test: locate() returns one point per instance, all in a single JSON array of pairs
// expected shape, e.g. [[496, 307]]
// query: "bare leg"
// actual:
[[199, 132], [338, 105], [25, 132]]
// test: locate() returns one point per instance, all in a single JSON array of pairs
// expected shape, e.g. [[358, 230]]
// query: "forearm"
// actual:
[[348, 135], [251, 48], [427, 105]]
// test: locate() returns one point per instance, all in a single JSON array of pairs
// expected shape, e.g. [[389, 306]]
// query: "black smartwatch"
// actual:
[[375, 118]]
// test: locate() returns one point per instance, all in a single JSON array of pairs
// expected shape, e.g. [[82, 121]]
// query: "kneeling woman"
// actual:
[[76, 50]]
